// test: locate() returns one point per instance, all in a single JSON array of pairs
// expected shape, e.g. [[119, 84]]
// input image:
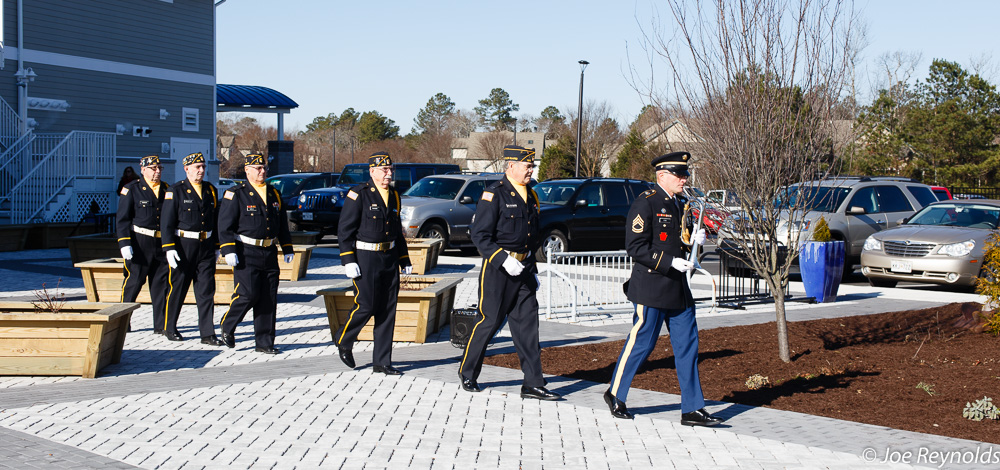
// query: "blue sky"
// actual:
[[392, 56]]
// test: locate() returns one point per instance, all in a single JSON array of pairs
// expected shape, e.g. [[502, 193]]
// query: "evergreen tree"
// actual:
[[373, 127], [433, 118], [495, 110], [633, 159], [558, 160]]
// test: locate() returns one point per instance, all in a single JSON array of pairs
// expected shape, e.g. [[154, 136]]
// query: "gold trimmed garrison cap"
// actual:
[[193, 158], [674, 162], [149, 160], [379, 159], [255, 159], [514, 153]]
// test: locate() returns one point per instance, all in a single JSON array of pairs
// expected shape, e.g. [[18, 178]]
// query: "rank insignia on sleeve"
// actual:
[[168, 196], [352, 195], [228, 195], [487, 196], [124, 191], [637, 224]]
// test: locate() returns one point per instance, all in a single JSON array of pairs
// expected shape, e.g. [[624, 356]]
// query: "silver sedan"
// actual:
[[941, 244]]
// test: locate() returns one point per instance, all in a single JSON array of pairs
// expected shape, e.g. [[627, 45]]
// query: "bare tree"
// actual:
[[759, 83], [601, 137], [490, 147]]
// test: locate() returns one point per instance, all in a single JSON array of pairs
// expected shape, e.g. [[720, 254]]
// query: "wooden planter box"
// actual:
[[103, 280], [79, 340], [55, 234], [424, 253], [103, 246], [304, 238], [13, 237], [418, 312], [92, 247]]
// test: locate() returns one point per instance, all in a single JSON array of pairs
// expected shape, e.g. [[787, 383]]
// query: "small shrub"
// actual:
[[49, 302], [757, 381], [822, 231], [981, 409], [929, 388], [991, 322], [988, 283]]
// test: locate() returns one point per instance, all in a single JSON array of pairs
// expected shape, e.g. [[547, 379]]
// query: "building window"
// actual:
[[189, 122], [531, 141]]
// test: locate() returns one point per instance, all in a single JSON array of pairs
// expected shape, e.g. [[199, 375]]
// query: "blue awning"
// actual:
[[251, 98]]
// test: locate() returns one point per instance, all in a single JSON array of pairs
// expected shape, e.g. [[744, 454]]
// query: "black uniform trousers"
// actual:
[[256, 281], [375, 295], [197, 265], [148, 264], [504, 297]]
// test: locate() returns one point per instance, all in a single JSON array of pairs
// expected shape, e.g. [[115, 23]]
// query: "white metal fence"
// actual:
[[585, 281]]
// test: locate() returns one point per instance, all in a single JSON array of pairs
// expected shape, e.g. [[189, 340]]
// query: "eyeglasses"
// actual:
[[155, 168], [385, 169], [257, 167]]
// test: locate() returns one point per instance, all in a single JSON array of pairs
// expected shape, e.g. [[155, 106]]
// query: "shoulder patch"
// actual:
[[124, 191], [228, 195], [169, 195], [352, 195], [649, 192], [487, 196]]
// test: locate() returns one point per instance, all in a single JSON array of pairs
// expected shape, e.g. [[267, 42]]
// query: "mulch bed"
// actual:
[[863, 368]]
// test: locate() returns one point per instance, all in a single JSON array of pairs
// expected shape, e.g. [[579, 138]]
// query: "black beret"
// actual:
[[379, 159], [149, 160], [674, 162], [255, 159], [513, 153]]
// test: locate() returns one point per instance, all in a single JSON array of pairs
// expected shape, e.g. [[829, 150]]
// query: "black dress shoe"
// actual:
[[699, 418], [617, 407], [346, 356], [271, 350], [539, 393], [174, 336], [469, 385], [228, 340], [212, 341], [387, 370]]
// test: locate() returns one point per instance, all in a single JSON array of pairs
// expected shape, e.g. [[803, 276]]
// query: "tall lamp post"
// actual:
[[579, 117]]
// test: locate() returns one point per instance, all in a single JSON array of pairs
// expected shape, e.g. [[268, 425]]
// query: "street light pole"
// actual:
[[579, 117]]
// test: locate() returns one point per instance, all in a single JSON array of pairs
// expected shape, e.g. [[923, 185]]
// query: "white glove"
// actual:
[[699, 237], [681, 265], [408, 270], [289, 258], [512, 266], [353, 270], [538, 283], [173, 259], [232, 259], [127, 252]]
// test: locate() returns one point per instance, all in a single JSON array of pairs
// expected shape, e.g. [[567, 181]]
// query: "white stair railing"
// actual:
[[10, 122], [78, 155], [11, 164]]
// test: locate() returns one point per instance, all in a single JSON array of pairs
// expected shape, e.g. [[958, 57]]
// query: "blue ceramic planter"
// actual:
[[822, 265]]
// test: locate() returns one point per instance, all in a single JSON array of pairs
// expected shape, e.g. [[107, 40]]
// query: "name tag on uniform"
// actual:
[[251, 208], [188, 201], [664, 220], [374, 207], [143, 203], [512, 206]]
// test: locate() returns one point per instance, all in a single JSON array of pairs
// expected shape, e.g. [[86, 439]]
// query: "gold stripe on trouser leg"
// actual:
[[357, 307], [231, 300], [641, 311], [166, 308], [482, 279], [128, 274]]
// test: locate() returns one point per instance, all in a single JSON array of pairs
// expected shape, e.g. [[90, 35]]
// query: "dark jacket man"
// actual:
[[138, 229]]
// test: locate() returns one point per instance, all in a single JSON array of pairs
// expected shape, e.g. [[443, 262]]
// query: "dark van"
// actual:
[[319, 209]]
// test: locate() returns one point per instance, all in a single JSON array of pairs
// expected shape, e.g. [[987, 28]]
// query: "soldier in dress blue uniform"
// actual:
[[252, 224], [191, 241], [506, 232], [373, 251], [138, 229], [659, 289]]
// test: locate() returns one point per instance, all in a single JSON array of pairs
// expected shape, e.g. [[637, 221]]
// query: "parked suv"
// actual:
[[319, 209], [291, 184], [585, 213], [854, 208], [442, 206]]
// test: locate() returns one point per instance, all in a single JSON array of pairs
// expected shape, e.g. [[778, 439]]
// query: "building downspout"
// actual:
[[22, 86]]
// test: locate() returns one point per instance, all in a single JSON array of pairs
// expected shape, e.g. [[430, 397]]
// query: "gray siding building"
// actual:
[[122, 77]]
